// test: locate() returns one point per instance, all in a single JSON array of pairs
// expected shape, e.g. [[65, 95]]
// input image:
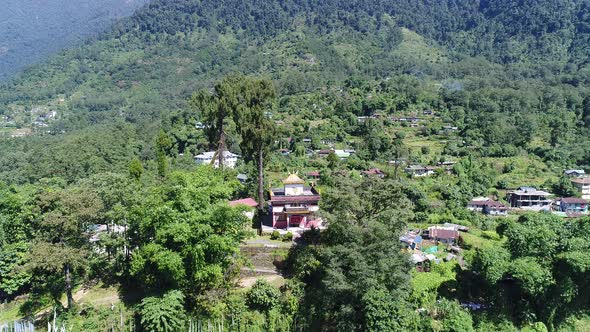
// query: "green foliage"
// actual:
[[186, 235], [333, 160], [262, 296], [163, 313], [564, 188], [355, 274], [136, 169], [537, 274], [426, 284], [275, 235], [288, 237], [451, 317], [61, 245]]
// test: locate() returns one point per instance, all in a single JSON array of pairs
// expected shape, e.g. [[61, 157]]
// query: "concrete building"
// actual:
[[583, 186], [206, 158], [529, 198]]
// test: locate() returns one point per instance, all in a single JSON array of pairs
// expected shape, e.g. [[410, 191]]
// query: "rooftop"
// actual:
[[244, 201], [373, 171], [293, 178], [495, 204], [443, 233], [211, 154], [574, 200], [530, 191], [574, 171], [581, 180]]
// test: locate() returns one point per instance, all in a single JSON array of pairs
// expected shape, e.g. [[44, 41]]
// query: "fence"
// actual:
[[17, 326]]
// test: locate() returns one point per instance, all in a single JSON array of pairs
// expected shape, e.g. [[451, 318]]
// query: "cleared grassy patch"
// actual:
[[9, 311]]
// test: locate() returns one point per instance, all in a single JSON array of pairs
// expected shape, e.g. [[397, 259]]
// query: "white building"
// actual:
[[229, 159], [583, 186]]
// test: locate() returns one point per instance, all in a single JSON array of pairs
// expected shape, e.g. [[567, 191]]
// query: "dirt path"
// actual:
[[271, 278]]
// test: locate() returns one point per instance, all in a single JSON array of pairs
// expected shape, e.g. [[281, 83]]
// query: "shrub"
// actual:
[[262, 296], [288, 237], [490, 235], [275, 235], [163, 314], [502, 184]]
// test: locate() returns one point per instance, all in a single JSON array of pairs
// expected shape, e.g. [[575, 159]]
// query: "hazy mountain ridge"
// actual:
[[31, 30]]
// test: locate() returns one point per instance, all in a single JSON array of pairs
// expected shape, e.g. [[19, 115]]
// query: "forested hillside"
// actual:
[[149, 64], [32, 30], [103, 208]]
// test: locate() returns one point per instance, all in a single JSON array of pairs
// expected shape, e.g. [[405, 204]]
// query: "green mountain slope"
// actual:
[[484, 55]]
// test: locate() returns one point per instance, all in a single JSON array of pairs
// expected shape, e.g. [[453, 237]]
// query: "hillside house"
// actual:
[[447, 235], [342, 154], [250, 203], [477, 204], [313, 175], [205, 158], [294, 205], [374, 172], [529, 198], [573, 205], [495, 208], [447, 165], [419, 170], [411, 239], [583, 186]]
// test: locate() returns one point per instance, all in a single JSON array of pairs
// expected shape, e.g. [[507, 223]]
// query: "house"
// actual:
[[374, 172], [495, 208], [573, 205], [456, 227], [529, 198], [583, 186], [447, 235], [314, 175], [419, 170], [477, 204], [294, 205], [447, 165], [229, 159], [342, 154], [575, 173], [411, 239]]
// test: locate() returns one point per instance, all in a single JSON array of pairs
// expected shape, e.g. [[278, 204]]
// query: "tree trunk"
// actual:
[[221, 148], [69, 287], [260, 191]]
